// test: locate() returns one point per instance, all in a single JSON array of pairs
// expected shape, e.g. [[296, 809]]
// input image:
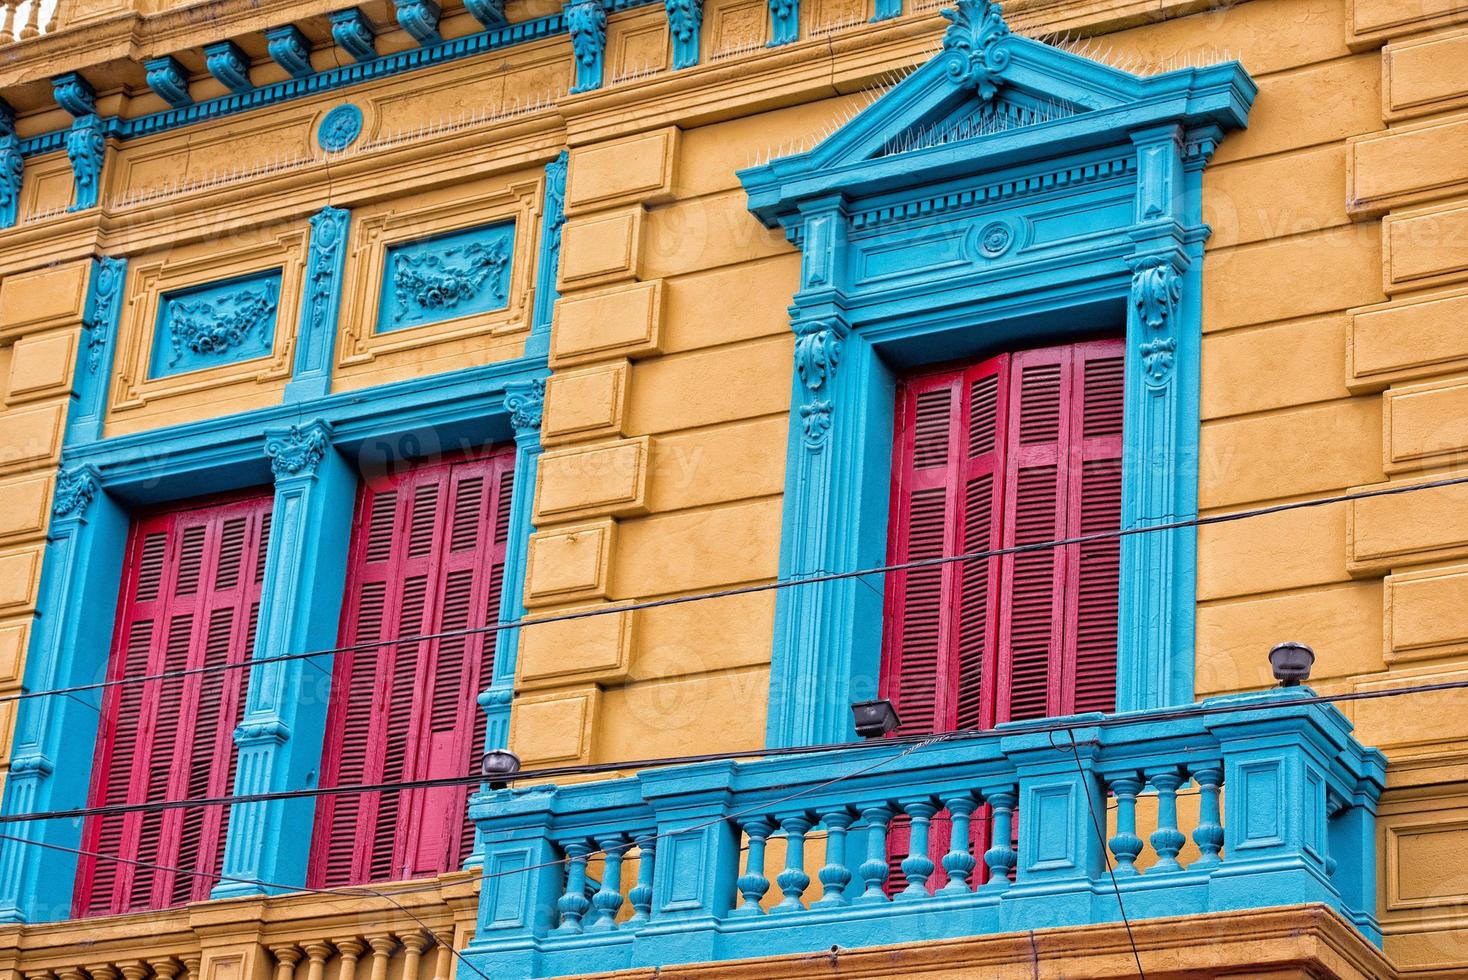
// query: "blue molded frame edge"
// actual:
[[305, 448], [1055, 128]]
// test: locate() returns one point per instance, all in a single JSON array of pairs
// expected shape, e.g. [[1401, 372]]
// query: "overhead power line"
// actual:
[[614, 608], [1044, 725]]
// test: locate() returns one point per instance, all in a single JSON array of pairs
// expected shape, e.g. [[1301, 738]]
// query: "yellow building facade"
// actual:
[[1334, 286]]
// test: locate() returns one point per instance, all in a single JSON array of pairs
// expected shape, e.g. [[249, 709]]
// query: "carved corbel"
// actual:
[[685, 18], [817, 353], [12, 167], [525, 401], [1157, 289], [76, 487], [586, 21]]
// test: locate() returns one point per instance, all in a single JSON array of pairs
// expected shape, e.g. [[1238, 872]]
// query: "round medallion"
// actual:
[[340, 128], [995, 239]]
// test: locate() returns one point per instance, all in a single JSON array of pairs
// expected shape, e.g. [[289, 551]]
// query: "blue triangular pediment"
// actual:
[[992, 98]]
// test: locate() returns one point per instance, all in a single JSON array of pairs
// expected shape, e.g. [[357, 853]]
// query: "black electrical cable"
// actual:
[[962, 735], [613, 608]]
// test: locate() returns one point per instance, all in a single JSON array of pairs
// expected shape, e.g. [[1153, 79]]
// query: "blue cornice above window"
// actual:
[[1006, 194]]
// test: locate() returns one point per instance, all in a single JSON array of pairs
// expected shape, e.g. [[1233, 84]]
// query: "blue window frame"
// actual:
[[1005, 195]]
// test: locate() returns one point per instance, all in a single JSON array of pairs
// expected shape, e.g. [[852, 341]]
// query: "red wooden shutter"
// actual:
[[190, 596], [427, 556]]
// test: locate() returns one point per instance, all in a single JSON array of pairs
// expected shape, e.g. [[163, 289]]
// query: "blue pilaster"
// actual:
[[320, 305], [50, 764], [553, 217], [525, 401], [281, 730], [586, 21], [93, 375], [784, 22]]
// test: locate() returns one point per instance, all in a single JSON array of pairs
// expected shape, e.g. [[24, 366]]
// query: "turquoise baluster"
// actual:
[[1167, 840], [753, 884], [793, 881], [874, 870], [917, 867], [1208, 835], [607, 901], [959, 863], [1000, 857], [640, 896], [573, 903], [835, 875], [1126, 845]]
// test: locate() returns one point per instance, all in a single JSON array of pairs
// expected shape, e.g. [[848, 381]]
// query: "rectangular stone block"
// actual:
[[587, 481], [1427, 248], [1294, 118], [53, 297], [20, 578], [41, 365], [699, 637], [1425, 425], [31, 434], [736, 302], [1405, 165], [575, 650], [585, 404], [1423, 613], [13, 638], [672, 716], [1373, 21], [1333, 445], [602, 248], [570, 563], [1240, 381], [1425, 74], [718, 464], [705, 233], [1288, 550], [632, 169], [1342, 267], [1341, 622], [699, 549], [1406, 340], [707, 387], [1243, 203], [623, 321], [554, 728], [1384, 533], [25, 503], [1416, 721]]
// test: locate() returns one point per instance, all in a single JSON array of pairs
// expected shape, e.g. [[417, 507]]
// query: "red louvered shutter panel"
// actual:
[[427, 557], [1094, 568], [191, 592]]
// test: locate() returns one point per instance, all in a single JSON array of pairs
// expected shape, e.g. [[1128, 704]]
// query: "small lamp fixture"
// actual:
[[498, 766], [1291, 663], [874, 718]]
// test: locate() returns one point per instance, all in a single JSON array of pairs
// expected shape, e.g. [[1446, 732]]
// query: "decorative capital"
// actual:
[[271, 730], [974, 43], [31, 764], [1157, 288], [586, 21], [76, 486], [298, 450], [526, 402], [817, 352], [685, 17]]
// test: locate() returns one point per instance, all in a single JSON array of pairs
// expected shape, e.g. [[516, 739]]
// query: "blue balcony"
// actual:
[[722, 861]]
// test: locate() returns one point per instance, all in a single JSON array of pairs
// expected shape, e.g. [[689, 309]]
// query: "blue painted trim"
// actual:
[[320, 305], [330, 80], [12, 166], [1006, 194], [442, 277], [313, 465], [352, 32], [489, 13], [420, 19], [93, 375], [586, 22], [547, 270], [339, 128], [784, 22]]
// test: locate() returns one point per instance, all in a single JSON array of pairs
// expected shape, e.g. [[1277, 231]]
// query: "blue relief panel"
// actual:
[[447, 276], [214, 324]]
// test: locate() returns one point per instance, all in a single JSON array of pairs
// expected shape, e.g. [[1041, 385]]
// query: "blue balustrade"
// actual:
[[1286, 802]]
